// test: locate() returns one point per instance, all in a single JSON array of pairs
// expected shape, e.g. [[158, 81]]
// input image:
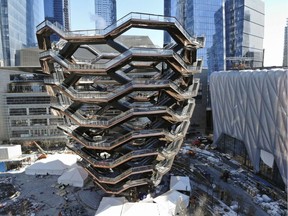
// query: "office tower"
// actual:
[[174, 8], [34, 16], [217, 52], [197, 17], [199, 21], [244, 33], [285, 54], [105, 13], [57, 11], [17, 20], [242, 25], [127, 107]]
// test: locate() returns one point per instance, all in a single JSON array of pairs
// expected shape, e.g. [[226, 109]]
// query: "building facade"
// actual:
[[285, 52], [242, 25], [18, 20], [250, 119], [197, 17], [233, 30], [25, 110], [105, 13], [57, 11]]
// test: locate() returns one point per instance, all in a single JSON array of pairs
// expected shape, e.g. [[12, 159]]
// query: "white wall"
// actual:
[[252, 106]]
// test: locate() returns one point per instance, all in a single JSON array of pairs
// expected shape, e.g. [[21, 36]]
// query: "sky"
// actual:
[[276, 12]]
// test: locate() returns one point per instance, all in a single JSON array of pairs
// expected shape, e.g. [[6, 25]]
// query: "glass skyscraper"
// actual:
[[57, 11], [197, 17], [18, 20], [200, 22], [242, 25], [174, 8], [217, 51], [105, 13], [234, 30]]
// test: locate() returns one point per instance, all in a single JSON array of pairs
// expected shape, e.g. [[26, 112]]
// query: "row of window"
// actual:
[[28, 111], [35, 122], [36, 133], [26, 88], [28, 100]]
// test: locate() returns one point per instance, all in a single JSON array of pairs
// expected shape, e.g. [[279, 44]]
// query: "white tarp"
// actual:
[[252, 106], [52, 165], [110, 206], [180, 183], [140, 209], [167, 202], [75, 176], [10, 151]]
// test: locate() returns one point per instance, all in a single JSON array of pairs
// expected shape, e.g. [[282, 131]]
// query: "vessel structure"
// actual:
[[127, 111]]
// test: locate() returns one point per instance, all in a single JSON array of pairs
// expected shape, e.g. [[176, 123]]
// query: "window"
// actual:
[[17, 111], [35, 122], [19, 123], [56, 121], [28, 100], [37, 111], [20, 133]]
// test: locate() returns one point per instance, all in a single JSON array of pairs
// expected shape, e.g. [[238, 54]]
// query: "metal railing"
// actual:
[[144, 17], [125, 174], [112, 162]]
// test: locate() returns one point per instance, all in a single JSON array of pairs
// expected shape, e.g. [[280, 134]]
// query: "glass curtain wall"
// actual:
[[244, 21], [197, 17], [17, 20], [105, 13]]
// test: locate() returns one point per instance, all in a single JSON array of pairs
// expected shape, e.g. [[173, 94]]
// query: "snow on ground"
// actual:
[[266, 203]]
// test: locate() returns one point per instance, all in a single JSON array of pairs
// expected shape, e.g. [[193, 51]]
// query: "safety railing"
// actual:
[[144, 17], [123, 175], [112, 162]]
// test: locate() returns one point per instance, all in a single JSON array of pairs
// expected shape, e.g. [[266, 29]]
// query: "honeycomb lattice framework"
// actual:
[[128, 111]]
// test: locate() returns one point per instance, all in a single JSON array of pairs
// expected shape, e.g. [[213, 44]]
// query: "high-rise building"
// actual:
[[233, 30], [105, 13], [285, 54], [217, 51], [17, 27], [174, 8], [241, 23], [57, 11], [197, 17], [244, 33], [199, 21]]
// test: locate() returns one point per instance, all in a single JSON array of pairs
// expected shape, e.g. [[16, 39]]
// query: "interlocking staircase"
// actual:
[[127, 112]]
